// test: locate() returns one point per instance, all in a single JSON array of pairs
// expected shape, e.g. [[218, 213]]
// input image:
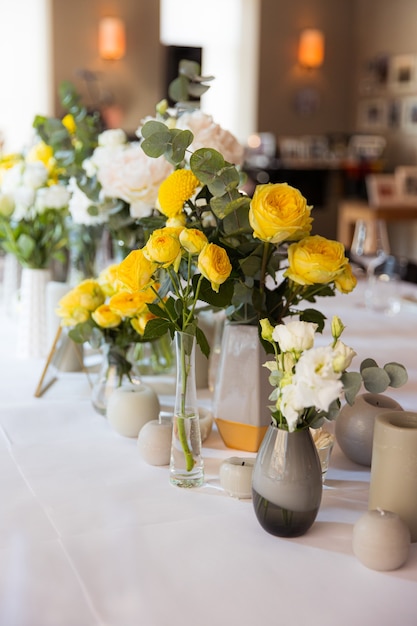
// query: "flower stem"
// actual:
[[182, 434]]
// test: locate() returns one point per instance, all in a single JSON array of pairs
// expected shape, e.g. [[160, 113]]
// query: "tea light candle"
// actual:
[[154, 442], [381, 540], [130, 407], [236, 476]]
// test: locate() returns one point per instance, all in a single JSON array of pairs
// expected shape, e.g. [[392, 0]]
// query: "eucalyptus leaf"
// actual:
[[375, 379], [397, 374], [352, 382], [368, 363]]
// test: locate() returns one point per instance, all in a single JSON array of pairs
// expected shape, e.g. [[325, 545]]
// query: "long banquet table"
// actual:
[[92, 535]]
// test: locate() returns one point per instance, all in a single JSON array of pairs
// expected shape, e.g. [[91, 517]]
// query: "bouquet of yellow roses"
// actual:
[[276, 262]]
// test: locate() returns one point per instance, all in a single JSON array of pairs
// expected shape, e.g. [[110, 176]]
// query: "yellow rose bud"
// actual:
[[175, 190], [69, 123], [315, 260], [105, 317], [346, 281], [214, 265], [163, 247], [337, 327], [193, 240], [266, 330], [279, 212], [135, 272]]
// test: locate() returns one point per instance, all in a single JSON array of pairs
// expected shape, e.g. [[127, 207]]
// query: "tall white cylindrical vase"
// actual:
[[32, 319], [12, 271]]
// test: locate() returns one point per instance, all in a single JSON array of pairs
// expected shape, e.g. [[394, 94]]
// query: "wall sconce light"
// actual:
[[111, 38], [311, 48]]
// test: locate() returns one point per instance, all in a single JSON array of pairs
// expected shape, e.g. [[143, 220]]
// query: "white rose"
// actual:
[[112, 137], [135, 178], [35, 175], [24, 198], [208, 134], [297, 336], [12, 178], [53, 197]]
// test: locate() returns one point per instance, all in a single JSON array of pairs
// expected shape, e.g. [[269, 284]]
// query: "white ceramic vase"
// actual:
[[12, 272], [240, 405], [32, 316]]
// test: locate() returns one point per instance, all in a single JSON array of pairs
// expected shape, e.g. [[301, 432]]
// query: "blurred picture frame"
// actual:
[[382, 190], [402, 72], [406, 183], [373, 114], [409, 114]]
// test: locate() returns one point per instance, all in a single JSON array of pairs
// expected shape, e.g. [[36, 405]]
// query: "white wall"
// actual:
[[228, 33], [25, 69]]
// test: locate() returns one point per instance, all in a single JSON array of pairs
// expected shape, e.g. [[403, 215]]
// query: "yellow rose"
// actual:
[[128, 304], [76, 305], [179, 221], [175, 190], [42, 152], [105, 317], [346, 281], [279, 212], [163, 247], [315, 260], [139, 322], [69, 123], [193, 240], [108, 279], [135, 271], [214, 265]]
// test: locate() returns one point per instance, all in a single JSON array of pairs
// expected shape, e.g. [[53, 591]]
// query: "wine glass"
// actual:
[[370, 244]]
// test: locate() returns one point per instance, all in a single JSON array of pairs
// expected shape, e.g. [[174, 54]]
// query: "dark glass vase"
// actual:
[[287, 482]]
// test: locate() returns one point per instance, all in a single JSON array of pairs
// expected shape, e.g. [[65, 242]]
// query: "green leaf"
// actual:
[[368, 363], [314, 316], [397, 374], [178, 89], [202, 342], [156, 328], [206, 163], [153, 128], [180, 142], [352, 382], [375, 379], [220, 299]]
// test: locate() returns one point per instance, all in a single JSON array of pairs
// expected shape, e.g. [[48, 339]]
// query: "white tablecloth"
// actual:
[[91, 535]]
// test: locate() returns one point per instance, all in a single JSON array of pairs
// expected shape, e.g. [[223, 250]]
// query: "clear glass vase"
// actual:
[[186, 464], [155, 357], [117, 368], [287, 482]]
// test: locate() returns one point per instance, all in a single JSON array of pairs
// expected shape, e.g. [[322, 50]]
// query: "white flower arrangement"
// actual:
[[310, 382]]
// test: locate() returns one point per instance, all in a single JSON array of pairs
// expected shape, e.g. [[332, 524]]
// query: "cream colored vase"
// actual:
[[32, 317], [240, 404]]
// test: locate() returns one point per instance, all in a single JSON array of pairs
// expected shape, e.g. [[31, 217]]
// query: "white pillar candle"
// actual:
[[236, 476], [393, 483], [130, 407], [381, 540], [154, 442]]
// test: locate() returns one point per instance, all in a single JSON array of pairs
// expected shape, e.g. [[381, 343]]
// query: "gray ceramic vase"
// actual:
[[354, 428]]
